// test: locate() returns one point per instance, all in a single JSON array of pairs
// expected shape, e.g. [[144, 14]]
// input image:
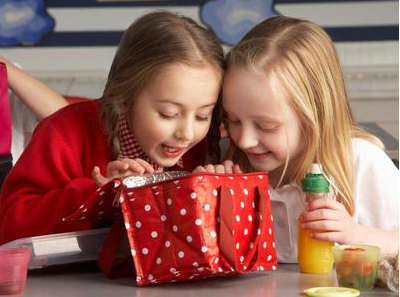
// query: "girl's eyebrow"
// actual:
[[180, 104]]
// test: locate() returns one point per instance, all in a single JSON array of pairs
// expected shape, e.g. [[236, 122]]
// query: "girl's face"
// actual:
[[173, 112], [264, 128]]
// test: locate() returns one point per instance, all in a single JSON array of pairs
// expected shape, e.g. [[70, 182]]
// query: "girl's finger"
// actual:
[[324, 225], [98, 178], [236, 169], [210, 168], [219, 168], [320, 214], [325, 202], [199, 169], [147, 167], [328, 236]]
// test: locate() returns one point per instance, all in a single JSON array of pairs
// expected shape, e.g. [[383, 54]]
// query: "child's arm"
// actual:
[[39, 97], [331, 216]]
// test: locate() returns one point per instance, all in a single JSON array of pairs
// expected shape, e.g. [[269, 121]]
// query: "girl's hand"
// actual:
[[226, 167], [331, 221], [121, 168]]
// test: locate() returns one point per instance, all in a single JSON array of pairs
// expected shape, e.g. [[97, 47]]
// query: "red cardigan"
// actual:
[[52, 178]]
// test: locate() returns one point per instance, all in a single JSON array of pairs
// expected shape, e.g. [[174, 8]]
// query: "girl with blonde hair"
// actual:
[[155, 113], [286, 107]]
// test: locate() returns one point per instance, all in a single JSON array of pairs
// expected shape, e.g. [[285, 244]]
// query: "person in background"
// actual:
[[30, 101], [285, 107], [155, 114]]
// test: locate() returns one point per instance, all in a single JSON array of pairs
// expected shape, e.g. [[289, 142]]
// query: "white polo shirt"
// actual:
[[376, 194]]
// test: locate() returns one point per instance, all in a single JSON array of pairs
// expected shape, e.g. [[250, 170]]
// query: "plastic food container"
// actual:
[[13, 269], [356, 265], [62, 248]]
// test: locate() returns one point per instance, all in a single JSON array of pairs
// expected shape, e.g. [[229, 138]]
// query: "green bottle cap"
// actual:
[[314, 181]]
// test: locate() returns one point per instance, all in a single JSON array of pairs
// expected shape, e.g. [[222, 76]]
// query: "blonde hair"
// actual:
[[300, 62], [153, 41]]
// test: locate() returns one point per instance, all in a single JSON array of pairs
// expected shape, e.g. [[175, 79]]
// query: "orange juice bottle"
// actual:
[[314, 256]]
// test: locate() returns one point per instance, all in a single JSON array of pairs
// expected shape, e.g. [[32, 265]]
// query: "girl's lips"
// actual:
[[258, 156], [172, 152]]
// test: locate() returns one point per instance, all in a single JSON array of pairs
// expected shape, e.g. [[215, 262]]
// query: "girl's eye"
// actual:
[[167, 116], [202, 118], [268, 128]]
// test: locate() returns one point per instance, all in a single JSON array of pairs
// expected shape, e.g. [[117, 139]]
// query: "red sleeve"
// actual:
[[48, 182]]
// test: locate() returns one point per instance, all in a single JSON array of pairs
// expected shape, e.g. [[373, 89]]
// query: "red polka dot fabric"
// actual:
[[200, 225]]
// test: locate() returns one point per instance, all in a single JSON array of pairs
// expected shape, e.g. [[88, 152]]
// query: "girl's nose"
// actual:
[[248, 138], [185, 131]]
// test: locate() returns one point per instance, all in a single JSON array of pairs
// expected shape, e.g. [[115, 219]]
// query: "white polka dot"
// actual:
[[200, 178], [189, 238], [158, 261], [175, 228], [216, 261], [127, 226], [270, 231], [183, 211], [269, 258], [201, 269], [241, 259], [130, 193], [145, 251], [215, 192], [100, 202], [138, 279], [204, 249], [163, 218], [260, 267], [261, 217], [133, 252], [100, 212], [251, 245], [258, 231], [265, 244], [260, 177], [154, 234], [231, 178], [253, 205], [150, 277], [213, 233], [198, 222], [241, 204], [244, 177], [176, 182], [246, 192], [272, 218], [217, 177], [169, 201], [121, 199], [167, 244], [172, 270], [237, 218], [156, 193], [237, 245], [244, 267], [102, 193], [220, 269], [193, 195], [80, 207], [138, 224], [273, 244], [219, 219], [250, 218], [246, 232], [181, 254], [207, 207], [195, 264], [232, 191], [273, 267], [82, 218], [147, 207]]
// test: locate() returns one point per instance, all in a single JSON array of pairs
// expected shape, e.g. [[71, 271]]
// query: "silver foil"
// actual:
[[134, 181]]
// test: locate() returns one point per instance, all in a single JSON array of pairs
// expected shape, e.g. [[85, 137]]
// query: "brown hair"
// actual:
[[151, 42], [299, 60]]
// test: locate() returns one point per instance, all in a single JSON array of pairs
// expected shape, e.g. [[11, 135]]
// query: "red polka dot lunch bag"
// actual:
[[189, 227]]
